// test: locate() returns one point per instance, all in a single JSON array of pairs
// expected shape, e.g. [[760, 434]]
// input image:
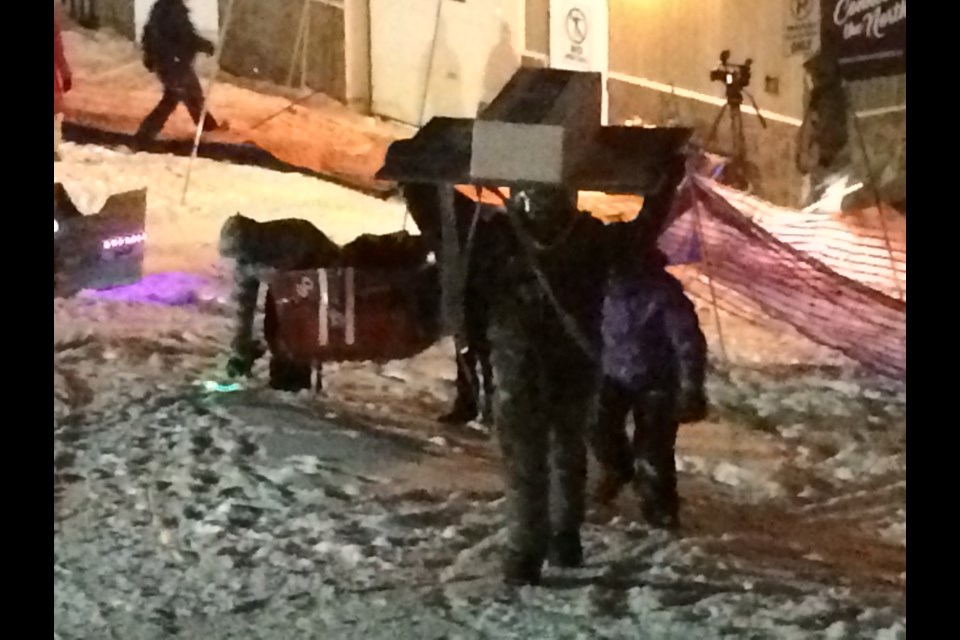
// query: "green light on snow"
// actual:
[[217, 387]]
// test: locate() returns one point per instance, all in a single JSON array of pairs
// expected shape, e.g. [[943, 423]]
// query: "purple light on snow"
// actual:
[[169, 289]]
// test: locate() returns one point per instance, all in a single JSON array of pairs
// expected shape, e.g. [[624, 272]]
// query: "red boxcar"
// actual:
[[354, 314]]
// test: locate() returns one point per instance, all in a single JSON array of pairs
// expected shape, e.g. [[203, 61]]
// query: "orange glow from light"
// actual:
[[597, 203]]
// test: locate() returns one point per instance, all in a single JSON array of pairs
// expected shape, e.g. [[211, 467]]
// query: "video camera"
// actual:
[[734, 76]]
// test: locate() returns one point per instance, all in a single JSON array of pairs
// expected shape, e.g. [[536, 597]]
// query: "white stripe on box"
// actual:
[[324, 307]]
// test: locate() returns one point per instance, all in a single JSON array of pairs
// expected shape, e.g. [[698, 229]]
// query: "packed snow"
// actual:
[[352, 514]]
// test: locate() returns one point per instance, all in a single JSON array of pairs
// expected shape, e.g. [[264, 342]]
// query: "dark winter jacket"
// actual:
[[287, 244], [651, 333], [575, 266], [170, 41], [824, 132]]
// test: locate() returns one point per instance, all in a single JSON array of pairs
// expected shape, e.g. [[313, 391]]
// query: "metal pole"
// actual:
[[206, 99], [875, 191], [707, 270], [433, 51], [298, 41], [305, 48]]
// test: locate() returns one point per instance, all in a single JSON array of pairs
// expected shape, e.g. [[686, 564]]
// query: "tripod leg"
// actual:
[[712, 136], [736, 131], [738, 165]]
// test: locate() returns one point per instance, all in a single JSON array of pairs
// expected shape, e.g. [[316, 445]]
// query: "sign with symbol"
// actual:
[[802, 9], [801, 33], [576, 26], [579, 38]]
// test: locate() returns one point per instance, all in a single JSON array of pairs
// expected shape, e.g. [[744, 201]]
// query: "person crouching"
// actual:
[[654, 359]]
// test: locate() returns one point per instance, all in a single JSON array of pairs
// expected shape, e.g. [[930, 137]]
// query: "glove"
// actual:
[[206, 47], [239, 367], [241, 362], [691, 406]]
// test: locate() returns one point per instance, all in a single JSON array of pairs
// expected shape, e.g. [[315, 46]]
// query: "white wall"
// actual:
[[478, 47], [356, 20]]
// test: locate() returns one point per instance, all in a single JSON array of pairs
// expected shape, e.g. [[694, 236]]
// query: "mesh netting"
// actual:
[[833, 284]]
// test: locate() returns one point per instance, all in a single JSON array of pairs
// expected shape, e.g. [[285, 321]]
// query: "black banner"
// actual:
[[869, 37]]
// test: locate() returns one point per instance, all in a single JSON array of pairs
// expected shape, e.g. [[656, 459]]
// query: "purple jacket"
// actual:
[[651, 333]]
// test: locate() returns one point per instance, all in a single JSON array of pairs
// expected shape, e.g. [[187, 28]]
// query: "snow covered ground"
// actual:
[[352, 514], [183, 235]]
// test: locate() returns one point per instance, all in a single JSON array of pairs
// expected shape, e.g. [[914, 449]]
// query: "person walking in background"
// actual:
[[170, 45], [62, 81]]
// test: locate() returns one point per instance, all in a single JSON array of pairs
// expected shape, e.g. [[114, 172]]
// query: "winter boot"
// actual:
[[462, 413], [566, 550], [660, 505], [210, 124], [486, 414], [286, 375], [661, 516], [240, 364], [610, 485], [521, 569]]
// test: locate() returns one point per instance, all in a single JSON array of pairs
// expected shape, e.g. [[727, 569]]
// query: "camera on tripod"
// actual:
[[735, 79], [734, 76]]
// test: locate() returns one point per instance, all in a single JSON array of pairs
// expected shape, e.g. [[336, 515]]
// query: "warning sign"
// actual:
[[801, 33]]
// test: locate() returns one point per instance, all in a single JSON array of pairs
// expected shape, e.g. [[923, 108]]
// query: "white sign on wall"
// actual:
[[580, 38], [205, 15], [801, 32]]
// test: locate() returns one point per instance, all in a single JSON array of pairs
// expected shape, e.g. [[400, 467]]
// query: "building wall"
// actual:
[[426, 62], [677, 44], [261, 40], [116, 15], [654, 45], [538, 26], [661, 53]]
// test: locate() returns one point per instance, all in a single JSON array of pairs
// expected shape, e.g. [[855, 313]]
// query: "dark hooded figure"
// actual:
[[543, 274], [257, 249], [170, 45], [654, 359], [822, 142]]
